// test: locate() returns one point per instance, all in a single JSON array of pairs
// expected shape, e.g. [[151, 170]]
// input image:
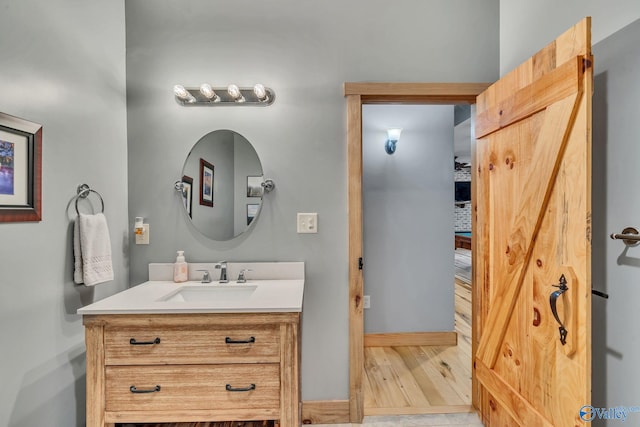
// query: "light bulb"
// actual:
[[180, 92], [235, 93], [394, 134], [208, 92], [183, 94], [260, 92]]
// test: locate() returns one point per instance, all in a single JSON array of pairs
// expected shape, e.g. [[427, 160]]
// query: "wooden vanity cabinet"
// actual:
[[193, 367]]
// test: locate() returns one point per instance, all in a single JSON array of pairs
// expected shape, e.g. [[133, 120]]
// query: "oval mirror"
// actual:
[[222, 185]]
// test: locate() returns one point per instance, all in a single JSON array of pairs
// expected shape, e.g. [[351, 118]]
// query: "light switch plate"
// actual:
[[307, 222], [144, 238]]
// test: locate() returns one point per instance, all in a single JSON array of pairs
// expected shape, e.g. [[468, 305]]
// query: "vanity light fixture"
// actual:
[[393, 136], [205, 94]]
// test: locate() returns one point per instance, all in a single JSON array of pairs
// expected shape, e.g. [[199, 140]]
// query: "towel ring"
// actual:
[[83, 192]]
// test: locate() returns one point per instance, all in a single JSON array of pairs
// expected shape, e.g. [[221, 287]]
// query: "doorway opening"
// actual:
[[357, 95], [417, 325]]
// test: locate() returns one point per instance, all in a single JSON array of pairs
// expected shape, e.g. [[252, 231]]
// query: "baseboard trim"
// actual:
[[449, 409], [411, 338], [325, 412]]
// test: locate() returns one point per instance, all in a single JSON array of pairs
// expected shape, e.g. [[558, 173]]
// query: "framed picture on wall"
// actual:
[[20, 170], [252, 211], [254, 186], [206, 183], [187, 186]]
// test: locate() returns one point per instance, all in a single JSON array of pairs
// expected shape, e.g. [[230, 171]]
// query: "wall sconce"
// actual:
[[257, 95], [393, 136]]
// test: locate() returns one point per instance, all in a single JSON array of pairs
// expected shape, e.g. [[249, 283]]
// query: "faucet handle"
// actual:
[[241, 276], [206, 277]]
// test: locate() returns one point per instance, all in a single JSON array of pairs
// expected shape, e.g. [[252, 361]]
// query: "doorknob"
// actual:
[[629, 236]]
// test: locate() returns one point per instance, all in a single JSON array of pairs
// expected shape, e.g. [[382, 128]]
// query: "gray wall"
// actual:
[[63, 66], [526, 26], [304, 50], [616, 348], [616, 204], [408, 219]]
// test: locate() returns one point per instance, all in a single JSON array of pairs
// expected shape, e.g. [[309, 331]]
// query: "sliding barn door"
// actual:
[[532, 236]]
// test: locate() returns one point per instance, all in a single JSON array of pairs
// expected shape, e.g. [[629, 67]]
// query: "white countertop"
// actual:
[[147, 298]]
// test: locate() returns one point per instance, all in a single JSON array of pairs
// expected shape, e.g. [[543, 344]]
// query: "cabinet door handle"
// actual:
[[251, 340], [133, 341], [250, 388], [133, 389]]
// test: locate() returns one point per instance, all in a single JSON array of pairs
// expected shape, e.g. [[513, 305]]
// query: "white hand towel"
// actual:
[[77, 253], [94, 265]]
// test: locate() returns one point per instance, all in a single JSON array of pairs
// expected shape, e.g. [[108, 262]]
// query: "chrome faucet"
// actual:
[[222, 266], [206, 276]]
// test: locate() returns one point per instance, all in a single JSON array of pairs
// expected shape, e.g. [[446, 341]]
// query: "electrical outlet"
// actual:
[[307, 223], [143, 239], [366, 301]]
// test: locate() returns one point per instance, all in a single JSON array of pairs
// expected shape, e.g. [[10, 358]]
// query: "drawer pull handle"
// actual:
[[251, 340], [133, 341], [230, 388], [133, 389]]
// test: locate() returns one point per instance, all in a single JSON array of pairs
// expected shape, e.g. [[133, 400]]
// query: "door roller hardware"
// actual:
[[600, 294]]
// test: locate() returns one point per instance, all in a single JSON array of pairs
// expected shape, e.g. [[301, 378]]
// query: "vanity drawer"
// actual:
[[182, 387], [166, 345]]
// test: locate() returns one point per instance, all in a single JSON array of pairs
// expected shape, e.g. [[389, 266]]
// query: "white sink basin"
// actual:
[[204, 293]]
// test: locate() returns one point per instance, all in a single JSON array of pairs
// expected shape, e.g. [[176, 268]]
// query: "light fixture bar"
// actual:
[[205, 95]]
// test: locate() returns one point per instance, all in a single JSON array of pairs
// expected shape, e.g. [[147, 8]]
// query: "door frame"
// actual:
[[356, 95]]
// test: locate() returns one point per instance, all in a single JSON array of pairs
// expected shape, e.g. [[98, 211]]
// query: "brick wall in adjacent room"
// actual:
[[462, 214]]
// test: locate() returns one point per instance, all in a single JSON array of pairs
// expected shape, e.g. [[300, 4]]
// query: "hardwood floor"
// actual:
[[422, 379]]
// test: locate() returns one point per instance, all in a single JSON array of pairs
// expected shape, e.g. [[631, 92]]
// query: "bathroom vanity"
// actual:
[[167, 352]]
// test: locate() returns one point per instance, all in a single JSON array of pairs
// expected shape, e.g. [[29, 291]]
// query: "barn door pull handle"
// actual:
[[553, 299]]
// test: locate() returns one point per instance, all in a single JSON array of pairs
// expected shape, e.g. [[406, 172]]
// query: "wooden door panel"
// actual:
[[532, 225], [511, 254]]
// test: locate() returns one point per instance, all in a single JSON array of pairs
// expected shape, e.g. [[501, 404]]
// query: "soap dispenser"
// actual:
[[180, 269]]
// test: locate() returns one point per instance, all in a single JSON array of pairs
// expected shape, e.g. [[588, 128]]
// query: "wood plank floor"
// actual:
[[422, 379]]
